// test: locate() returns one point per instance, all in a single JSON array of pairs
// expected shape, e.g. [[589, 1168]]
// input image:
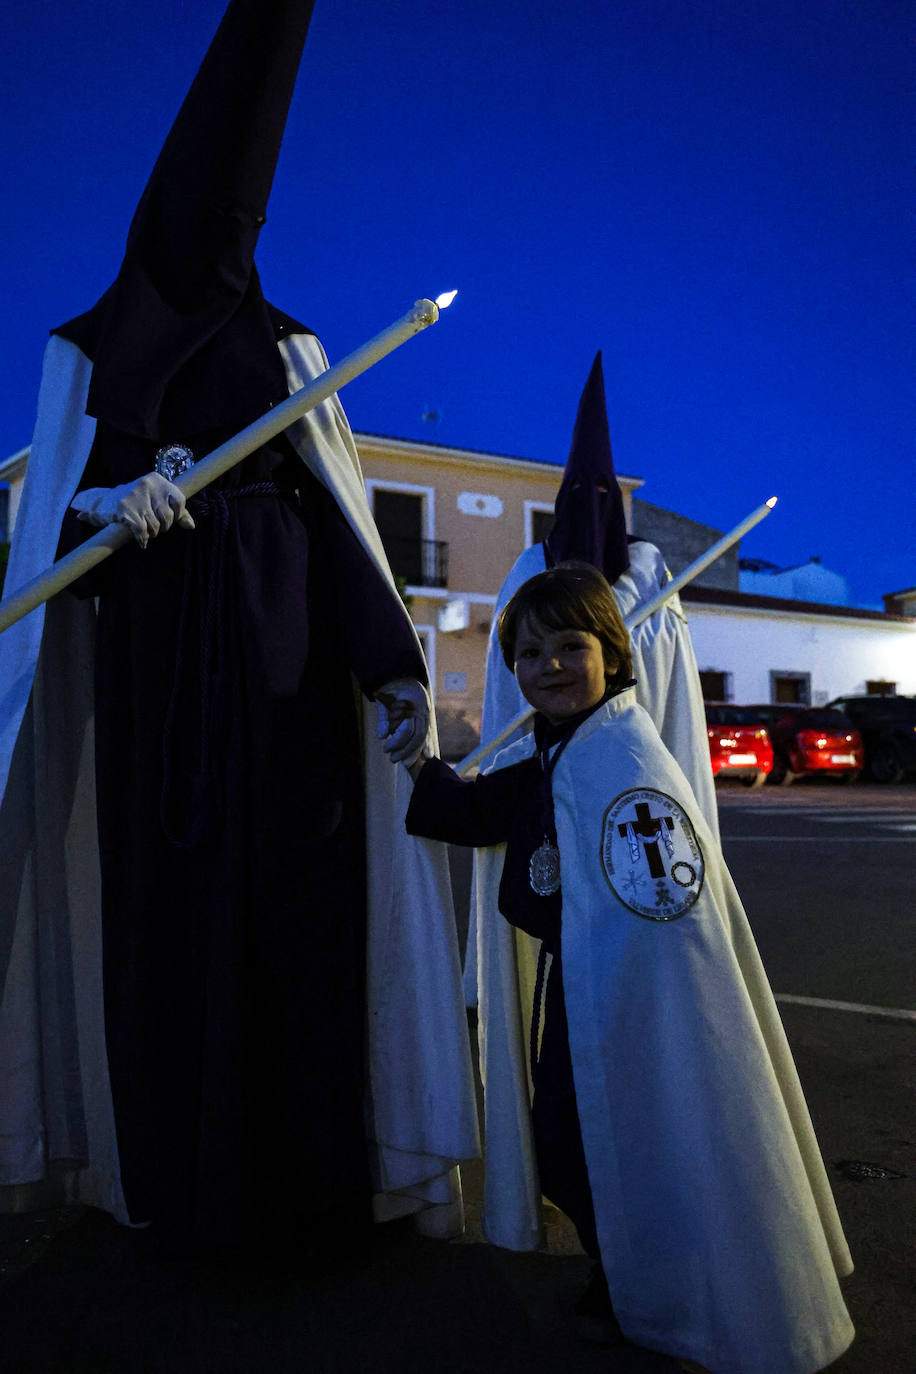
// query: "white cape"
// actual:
[[718, 1231], [667, 684], [53, 1067]]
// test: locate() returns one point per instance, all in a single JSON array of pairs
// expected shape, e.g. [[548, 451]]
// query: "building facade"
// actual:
[[453, 522], [764, 648], [809, 581], [900, 603], [683, 541]]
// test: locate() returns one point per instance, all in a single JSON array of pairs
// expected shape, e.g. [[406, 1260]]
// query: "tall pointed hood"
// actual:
[[182, 341], [590, 523]]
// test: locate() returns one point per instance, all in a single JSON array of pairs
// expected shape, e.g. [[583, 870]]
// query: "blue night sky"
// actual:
[[711, 191]]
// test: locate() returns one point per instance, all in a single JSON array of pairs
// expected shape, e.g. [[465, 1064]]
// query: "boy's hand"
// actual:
[[403, 719], [147, 507]]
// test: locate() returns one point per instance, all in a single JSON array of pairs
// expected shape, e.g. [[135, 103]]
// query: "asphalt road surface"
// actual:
[[825, 875]]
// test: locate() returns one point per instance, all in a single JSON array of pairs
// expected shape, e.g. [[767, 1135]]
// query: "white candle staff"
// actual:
[[95, 550], [712, 553], [669, 590]]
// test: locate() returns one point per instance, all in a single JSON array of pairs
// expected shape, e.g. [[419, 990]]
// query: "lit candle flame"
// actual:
[[445, 299], [772, 501]]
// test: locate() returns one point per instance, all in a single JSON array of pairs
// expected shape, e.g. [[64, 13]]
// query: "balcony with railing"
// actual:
[[421, 562]]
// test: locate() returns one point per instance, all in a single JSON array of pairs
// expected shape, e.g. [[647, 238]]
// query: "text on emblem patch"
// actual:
[[650, 854]]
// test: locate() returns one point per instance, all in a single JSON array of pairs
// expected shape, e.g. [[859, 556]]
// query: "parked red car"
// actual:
[[739, 745], [810, 740]]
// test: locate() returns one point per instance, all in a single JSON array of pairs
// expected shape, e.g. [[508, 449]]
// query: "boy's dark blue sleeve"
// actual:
[[446, 807]]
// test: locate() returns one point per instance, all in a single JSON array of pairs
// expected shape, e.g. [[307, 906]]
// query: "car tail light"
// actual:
[[810, 739]]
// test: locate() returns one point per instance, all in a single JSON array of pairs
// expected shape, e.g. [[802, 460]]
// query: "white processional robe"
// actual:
[[718, 1231], [667, 684], [57, 1112]]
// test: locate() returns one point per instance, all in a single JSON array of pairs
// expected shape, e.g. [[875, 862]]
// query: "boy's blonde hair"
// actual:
[[573, 596]]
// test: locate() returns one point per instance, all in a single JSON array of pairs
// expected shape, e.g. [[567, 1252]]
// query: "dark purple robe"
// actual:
[[231, 841]]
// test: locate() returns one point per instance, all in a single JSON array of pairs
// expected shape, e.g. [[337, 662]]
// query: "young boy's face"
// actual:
[[560, 672]]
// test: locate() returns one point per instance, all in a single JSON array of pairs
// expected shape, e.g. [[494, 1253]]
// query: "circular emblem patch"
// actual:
[[650, 854]]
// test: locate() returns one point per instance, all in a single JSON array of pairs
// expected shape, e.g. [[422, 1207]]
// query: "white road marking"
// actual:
[[903, 823], [824, 839], [837, 817], [883, 818], [894, 1013]]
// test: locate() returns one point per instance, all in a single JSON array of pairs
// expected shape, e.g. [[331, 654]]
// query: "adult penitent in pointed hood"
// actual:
[[182, 342], [590, 524]]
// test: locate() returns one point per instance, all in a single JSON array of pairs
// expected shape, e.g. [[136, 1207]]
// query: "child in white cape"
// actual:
[[635, 1068]]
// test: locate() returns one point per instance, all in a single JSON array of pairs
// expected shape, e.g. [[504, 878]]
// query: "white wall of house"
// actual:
[[840, 653]]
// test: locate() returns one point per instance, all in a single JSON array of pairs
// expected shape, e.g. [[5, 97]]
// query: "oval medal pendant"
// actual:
[[173, 460], [544, 869]]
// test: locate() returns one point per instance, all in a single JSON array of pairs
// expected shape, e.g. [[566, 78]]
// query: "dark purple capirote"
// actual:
[[182, 343], [590, 524]]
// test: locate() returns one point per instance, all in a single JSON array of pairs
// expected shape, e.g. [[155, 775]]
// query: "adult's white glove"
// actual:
[[147, 507], [403, 719]]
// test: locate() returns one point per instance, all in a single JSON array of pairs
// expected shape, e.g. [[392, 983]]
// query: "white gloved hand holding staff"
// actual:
[[147, 507]]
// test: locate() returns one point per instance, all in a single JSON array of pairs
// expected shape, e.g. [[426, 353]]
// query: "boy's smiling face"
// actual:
[[560, 672]]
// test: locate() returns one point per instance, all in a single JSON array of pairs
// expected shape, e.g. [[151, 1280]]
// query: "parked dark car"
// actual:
[[888, 729], [739, 745], [811, 739]]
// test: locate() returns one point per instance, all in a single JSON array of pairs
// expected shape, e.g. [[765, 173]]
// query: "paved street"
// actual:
[[826, 876], [825, 873]]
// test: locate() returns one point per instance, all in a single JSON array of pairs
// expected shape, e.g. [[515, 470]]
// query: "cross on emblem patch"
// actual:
[[649, 829], [650, 854]]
